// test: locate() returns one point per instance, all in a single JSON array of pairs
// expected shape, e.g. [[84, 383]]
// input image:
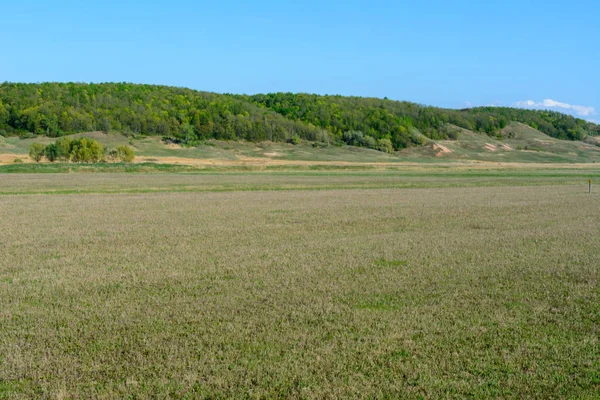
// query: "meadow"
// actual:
[[297, 283]]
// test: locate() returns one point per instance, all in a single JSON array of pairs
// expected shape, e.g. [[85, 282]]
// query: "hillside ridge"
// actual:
[[518, 143], [188, 117]]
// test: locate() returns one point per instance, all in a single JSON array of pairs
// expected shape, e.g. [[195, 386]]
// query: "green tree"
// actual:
[[186, 133], [86, 150], [63, 149], [385, 145], [51, 152], [36, 151], [295, 140], [4, 115]]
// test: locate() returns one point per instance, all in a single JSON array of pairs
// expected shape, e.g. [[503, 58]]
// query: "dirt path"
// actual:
[[258, 161], [9, 158]]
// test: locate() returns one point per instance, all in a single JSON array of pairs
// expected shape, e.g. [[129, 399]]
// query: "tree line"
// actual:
[[81, 150], [189, 116]]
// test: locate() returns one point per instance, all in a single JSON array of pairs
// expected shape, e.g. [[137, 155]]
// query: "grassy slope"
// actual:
[[152, 146], [525, 145], [418, 293]]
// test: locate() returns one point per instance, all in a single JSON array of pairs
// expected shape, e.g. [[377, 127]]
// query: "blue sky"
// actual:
[[445, 53]]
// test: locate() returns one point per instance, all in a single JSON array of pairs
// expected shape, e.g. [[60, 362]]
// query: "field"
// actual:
[[406, 282]]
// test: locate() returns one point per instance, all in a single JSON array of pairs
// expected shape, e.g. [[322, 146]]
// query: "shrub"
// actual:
[[385, 145], [36, 151], [18, 161], [51, 152], [453, 134], [60, 150], [294, 140], [63, 149], [353, 138], [86, 150], [26, 135], [123, 153], [370, 142]]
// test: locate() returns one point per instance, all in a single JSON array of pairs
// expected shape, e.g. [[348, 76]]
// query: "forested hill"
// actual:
[[186, 115], [56, 109], [395, 119]]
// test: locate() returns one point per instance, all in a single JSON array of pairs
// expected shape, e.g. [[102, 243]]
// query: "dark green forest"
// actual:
[[189, 116]]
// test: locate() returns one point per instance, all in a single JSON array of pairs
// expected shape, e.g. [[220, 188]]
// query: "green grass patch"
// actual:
[[382, 262]]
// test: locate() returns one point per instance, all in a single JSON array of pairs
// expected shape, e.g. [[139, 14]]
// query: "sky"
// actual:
[[522, 53]]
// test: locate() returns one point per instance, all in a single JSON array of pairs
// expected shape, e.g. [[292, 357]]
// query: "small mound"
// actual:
[[96, 135]]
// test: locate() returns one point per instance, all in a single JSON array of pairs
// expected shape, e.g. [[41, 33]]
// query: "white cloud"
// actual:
[[583, 111]]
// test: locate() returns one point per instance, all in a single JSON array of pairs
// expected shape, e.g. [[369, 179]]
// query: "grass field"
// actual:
[[426, 282]]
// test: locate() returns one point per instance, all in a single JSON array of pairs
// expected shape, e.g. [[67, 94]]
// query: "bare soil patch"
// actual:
[[9, 158], [272, 154], [441, 150]]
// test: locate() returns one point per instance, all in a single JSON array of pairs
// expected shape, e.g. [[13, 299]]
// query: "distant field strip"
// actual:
[[111, 183]]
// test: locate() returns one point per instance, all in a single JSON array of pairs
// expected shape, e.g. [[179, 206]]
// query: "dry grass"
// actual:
[[437, 292], [10, 158]]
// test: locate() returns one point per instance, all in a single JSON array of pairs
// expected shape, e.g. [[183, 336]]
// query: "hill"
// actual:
[[190, 117], [517, 143], [395, 119], [57, 109]]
